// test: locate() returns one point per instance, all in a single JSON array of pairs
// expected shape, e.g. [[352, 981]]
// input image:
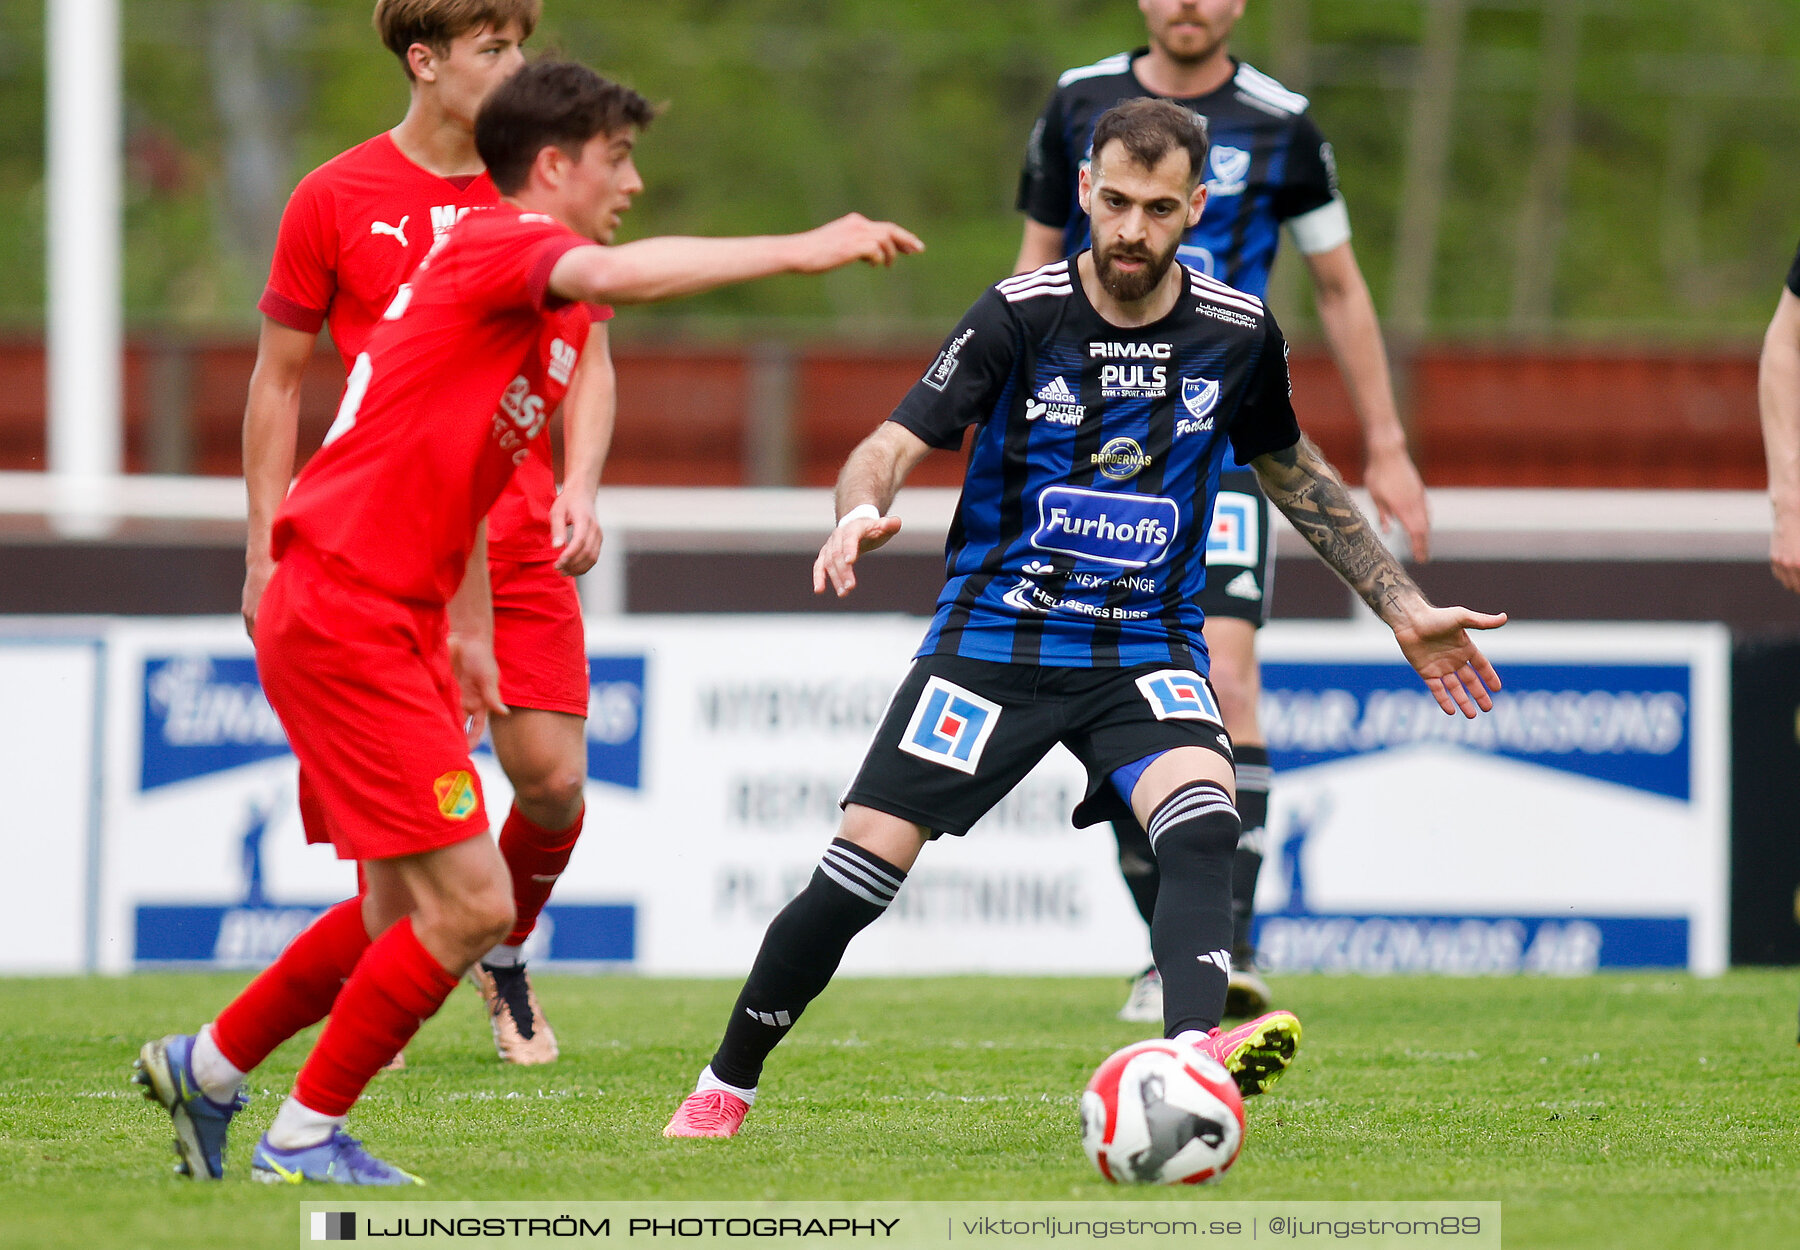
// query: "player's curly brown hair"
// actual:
[[434, 23]]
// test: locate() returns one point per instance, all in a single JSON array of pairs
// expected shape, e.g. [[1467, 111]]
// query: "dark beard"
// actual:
[[1129, 288]]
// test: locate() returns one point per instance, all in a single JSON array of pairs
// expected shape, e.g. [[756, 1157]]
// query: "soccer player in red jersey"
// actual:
[[374, 636], [354, 231]]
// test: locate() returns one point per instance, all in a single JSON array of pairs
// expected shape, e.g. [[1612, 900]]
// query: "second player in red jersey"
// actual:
[[354, 232], [374, 638]]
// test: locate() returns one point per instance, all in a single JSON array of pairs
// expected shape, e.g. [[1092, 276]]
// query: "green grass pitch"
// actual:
[[1642, 1111]]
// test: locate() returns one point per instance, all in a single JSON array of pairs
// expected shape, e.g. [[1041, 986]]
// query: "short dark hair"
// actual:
[[551, 104], [434, 23], [1150, 129]]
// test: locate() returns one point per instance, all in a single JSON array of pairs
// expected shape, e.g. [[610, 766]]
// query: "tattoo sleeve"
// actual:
[[1302, 483]]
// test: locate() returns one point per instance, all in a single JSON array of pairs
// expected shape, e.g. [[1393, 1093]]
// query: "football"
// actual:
[[1161, 1113]]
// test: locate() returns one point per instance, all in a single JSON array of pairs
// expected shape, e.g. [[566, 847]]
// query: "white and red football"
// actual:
[[1161, 1113]]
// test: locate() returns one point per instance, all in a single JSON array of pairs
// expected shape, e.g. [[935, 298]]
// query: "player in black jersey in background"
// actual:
[[1103, 391], [1778, 396], [1269, 167]]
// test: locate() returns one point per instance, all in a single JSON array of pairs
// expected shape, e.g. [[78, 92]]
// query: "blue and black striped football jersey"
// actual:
[[1080, 537], [1268, 164]]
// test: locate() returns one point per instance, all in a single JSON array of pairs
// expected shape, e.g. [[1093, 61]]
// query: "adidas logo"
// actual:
[[779, 1019], [1244, 586], [1056, 404], [1218, 959]]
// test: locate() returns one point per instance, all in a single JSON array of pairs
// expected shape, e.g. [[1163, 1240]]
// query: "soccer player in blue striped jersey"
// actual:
[[1268, 168], [1104, 391]]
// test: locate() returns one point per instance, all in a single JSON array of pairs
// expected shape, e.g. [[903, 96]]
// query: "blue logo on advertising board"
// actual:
[[615, 720], [1629, 724], [1127, 530], [1294, 938], [204, 714], [251, 932]]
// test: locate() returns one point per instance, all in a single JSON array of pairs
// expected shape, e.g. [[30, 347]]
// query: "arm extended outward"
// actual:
[[867, 484], [1300, 482], [664, 268]]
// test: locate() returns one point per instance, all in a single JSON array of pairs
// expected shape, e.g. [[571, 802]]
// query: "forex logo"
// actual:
[[950, 726]]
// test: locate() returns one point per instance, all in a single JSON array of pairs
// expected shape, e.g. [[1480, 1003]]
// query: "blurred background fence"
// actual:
[[1575, 214]]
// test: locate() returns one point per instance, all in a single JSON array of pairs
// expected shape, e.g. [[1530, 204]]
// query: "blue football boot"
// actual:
[[338, 1160], [165, 1069]]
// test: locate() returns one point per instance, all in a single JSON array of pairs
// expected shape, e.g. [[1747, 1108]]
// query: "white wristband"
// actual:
[[861, 512]]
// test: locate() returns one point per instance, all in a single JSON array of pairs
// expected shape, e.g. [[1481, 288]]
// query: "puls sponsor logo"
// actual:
[[1127, 530], [1622, 723], [1295, 938], [204, 714], [1132, 381]]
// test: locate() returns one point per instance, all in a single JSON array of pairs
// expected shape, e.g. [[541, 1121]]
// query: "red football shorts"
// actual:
[[363, 685], [539, 640]]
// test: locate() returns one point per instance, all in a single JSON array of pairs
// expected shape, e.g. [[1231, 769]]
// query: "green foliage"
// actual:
[[1681, 205], [1613, 1111]]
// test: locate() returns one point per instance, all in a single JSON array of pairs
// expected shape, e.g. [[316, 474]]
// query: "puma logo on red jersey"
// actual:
[[394, 232]]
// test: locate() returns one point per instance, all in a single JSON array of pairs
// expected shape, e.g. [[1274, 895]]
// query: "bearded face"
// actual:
[[1130, 271]]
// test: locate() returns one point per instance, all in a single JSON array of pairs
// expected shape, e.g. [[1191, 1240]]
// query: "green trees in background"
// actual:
[[1613, 166]]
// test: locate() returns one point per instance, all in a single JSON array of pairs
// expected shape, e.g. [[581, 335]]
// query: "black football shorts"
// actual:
[[960, 733], [1240, 551]]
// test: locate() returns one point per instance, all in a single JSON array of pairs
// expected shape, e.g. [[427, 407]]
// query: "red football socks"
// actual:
[[296, 990], [536, 857], [396, 987]]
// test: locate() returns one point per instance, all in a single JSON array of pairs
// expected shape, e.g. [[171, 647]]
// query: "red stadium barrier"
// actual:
[[1498, 416]]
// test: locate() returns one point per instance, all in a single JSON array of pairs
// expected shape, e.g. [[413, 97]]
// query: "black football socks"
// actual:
[[1194, 833], [805, 943]]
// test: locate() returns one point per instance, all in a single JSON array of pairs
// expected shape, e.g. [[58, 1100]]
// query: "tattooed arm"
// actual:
[[1310, 494]]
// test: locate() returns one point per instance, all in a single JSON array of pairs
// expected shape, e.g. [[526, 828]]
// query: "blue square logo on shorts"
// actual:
[[1179, 694], [950, 726]]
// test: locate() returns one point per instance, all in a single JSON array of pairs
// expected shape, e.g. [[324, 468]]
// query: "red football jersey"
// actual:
[[354, 230], [449, 395]]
